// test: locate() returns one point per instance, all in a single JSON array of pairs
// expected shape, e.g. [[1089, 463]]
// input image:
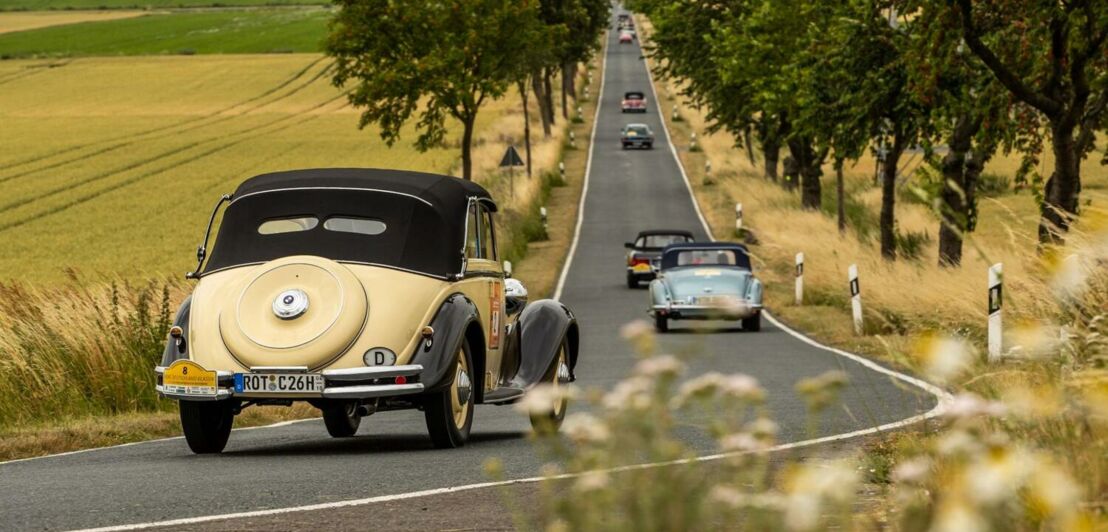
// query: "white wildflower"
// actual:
[[968, 405], [1054, 491], [956, 516], [912, 471], [592, 481], [583, 428], [945, 358], [629, 394], [659, 366], [538, 400], [744, 387], [699, 387], [997, 475]]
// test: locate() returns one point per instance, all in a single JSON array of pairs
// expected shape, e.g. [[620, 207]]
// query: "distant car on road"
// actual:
[[636, 136], [645, 252], [706, 281], [633, 102], [626, 37]]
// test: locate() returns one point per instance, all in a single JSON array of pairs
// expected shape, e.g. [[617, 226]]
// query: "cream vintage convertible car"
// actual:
[[359, 291]]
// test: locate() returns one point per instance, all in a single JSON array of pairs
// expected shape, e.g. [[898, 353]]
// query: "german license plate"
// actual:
[[714, 300], [279, 383]]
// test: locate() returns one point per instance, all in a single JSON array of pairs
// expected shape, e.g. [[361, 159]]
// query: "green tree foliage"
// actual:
[[1050, 56], [438, 59]]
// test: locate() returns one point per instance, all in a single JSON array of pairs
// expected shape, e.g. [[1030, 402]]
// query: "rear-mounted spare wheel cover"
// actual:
[[293, 311]]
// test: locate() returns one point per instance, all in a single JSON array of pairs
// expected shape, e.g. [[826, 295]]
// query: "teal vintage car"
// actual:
[[706, 281]]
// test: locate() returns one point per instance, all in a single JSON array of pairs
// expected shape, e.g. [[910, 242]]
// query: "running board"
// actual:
[[503, 396]]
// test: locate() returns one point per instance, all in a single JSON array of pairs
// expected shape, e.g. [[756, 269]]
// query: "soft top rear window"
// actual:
[[350, 224], [661, 241], [710, 257], [276, 226]]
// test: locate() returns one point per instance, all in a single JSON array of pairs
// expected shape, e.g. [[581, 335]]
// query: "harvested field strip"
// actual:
[[30, 71], [11, 22], [187, 121], [192, 123], [284, 122]]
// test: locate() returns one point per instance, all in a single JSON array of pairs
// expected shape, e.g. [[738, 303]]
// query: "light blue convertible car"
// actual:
[[706, 281]]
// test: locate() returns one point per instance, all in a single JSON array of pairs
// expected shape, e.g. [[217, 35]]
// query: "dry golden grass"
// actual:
[[30, 20]]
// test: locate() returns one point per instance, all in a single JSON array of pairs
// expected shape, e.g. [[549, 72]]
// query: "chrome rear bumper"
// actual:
[[346, 383], [707, 312]]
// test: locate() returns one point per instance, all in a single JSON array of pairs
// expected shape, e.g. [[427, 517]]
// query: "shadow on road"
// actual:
[[367, 444]]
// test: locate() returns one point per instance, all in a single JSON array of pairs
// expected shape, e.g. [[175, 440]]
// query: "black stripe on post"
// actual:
[[996, 298], [800, 269], [854, 288]]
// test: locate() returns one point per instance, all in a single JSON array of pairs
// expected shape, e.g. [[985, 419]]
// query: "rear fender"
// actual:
[[456, 315], [171, 352], [659, 294], [544, 326]]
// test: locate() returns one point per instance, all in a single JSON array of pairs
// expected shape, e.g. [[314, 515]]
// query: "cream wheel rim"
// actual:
[[461, 391], [561, 376]]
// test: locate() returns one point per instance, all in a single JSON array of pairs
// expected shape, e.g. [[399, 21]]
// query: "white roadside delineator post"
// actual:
[[562, 171], [738, 216], [692, 141], [542, 214], [855, 298], [996, 301], [572, 140], [800, 278]]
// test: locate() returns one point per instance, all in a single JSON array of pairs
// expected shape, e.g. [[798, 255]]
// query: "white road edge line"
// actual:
[[943, 398], [588, 171], [133, 443]]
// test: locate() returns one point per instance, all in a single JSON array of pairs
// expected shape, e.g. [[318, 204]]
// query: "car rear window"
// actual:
[[638, 130], [276, 226], [633, 96], [710, 257], [348, 224]]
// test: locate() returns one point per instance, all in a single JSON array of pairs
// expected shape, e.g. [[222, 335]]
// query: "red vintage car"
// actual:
[[633, 102], [626, 37]]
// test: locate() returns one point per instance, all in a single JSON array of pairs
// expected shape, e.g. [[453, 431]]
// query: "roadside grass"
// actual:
[[1023, 444], [23, 21], [138, 175], [69, 5], [223, 31]]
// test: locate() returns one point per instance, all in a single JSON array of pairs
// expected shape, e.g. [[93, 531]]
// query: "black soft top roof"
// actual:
[[742, 255], [680, 232], [443, 192], [634, 95], [424, 217]]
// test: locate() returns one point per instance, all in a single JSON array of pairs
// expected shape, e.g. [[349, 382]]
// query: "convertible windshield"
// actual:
[[638, 130], [660, 241], [712, 257]]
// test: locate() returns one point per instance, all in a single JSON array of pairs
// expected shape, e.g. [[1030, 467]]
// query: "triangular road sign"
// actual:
[[511, 158]]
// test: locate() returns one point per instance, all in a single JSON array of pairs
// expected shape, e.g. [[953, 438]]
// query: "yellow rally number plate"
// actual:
[[189, 378], [641, 268]]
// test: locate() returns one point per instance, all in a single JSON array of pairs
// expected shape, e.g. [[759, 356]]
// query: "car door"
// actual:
[[483, 268]]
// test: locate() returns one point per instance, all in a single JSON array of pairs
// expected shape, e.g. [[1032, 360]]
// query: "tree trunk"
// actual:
[[792, 173], [1063, 188], [808, 164], [522, 85], [569, 79], [467, 141], [840, 194], [957, 193], [548, 90], [771, 149], [748, 143], [540, 96], [888, 198]]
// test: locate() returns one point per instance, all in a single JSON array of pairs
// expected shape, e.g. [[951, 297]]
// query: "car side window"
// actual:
[[488, 236], [473, 249]]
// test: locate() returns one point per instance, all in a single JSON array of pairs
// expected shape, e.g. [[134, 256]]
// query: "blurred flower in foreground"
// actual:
[[542, 397], [591, 481], [1032, 340], [640, 334], [659, 366], [968, 405], [810, 487], [823, 390], [584, 428], [943, 358]]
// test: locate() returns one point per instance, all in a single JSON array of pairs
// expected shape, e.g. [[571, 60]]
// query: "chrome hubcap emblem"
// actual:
[[290, 304], [464, 387], [563, 373]]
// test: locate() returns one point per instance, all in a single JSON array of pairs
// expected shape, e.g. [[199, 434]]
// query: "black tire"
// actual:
[[438, 409], [206, 424], [753, 323], [342, 419], [648, 146], [550, 422], [632, 282], [661, 323]]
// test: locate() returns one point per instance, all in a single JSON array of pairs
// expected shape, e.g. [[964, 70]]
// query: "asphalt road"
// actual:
[[299, 464]]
